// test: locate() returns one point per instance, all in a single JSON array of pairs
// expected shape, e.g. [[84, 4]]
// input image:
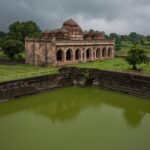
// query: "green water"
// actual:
[[75, 119]]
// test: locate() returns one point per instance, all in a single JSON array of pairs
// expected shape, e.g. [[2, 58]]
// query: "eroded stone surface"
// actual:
[[68, 45]]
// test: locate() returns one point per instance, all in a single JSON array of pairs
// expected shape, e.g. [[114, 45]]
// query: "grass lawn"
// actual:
[[12, 71], [116, 64], [125, 47], [2, 54]]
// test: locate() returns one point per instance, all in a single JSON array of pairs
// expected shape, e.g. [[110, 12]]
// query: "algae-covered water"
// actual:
[[75, 119]]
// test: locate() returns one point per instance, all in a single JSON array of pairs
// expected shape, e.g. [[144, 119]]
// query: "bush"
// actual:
[[12, 48]]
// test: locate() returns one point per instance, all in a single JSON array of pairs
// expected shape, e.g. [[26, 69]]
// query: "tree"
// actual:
[[19, 30], [142, 39], [91, 30], [136, 56], [2, 34], [12, 47], [117, 39], [106, 36], [135, 38], [125, 38], [30, 29]]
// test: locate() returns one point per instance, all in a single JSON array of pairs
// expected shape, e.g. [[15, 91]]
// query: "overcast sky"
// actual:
[[121, 16]]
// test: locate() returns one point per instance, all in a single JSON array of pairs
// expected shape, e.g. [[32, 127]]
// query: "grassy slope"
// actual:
[[21, 69], [116, 64]]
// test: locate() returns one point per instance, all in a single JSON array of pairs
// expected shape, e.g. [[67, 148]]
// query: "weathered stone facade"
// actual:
[[68, 45]]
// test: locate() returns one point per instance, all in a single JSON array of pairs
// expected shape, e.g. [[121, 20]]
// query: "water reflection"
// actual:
[[133, 117], [66, 104]]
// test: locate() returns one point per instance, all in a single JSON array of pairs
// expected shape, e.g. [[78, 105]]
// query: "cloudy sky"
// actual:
[[121, 16]]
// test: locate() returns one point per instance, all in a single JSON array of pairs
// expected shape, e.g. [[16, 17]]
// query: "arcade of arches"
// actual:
[[72, 55], [67, 45]]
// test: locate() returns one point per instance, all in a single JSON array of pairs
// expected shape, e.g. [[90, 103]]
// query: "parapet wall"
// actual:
[[13, 89], [134, 84]]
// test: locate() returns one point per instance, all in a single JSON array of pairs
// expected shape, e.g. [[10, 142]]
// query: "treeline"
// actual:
[[133, 38], [12, 42]]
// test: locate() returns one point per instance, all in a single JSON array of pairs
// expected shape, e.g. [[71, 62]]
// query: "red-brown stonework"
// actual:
[[68, 45]]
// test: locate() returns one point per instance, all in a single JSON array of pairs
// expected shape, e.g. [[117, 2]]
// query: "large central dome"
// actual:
[[70, 22], [74, 29], [72, 26]]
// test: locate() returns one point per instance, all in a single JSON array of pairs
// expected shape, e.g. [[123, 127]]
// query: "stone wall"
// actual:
[[45, 52], [118, 81], [12, 89]]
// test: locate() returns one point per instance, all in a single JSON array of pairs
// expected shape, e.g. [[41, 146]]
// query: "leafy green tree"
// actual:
[[2, 34], [136, 56], [117, 39], [142, 39], [12, 47], [19, 30], [30, 29], [135, 38], [91, 30], [148, 37], [106, 36], [125, 38]]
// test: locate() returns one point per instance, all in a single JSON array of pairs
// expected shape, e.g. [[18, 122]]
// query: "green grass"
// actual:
[[125, 47], [2, 54], [116, 64], [12, 71]]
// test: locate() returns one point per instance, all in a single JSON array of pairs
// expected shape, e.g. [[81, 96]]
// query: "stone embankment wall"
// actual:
[[130, 83], [118, 81], [12, 89]]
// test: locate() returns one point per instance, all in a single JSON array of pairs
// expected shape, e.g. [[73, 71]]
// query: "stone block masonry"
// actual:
[[130, 83], [13, 89]]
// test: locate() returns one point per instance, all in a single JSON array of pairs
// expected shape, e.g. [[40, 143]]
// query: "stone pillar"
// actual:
[[100, 53], [33, 52], [46, 55], [73, 55], [64, 57], [84, 55], [92, 55], [81, 55], [113, 52], [106, 52]]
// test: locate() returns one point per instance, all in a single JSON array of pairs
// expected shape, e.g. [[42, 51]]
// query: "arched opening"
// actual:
[[60, 55], [69, 55], [78, 54], [110, 52], [88, 53], [104, 52], [98, 53]]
